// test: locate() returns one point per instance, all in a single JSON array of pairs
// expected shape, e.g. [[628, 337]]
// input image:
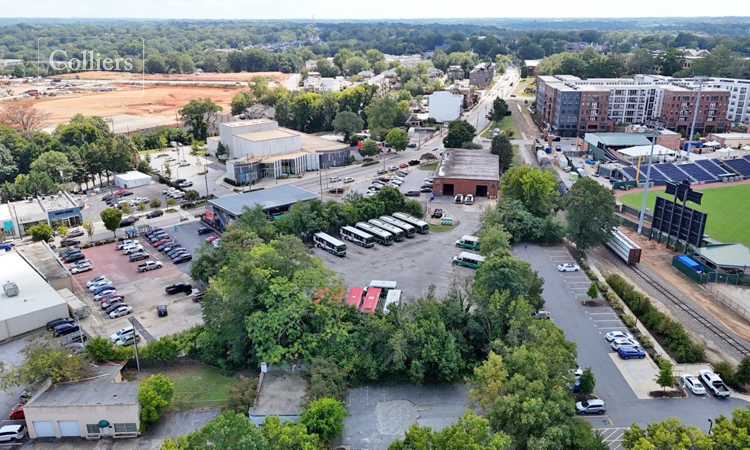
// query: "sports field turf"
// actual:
[[728, 210]]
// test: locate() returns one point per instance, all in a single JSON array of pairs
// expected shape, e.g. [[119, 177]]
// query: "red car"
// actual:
[[112, 298], [123, 192], [17, 412], [403, 165], [211, 238], [163, 241]]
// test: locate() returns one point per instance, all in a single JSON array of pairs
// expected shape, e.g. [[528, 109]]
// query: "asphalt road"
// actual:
[[563, 300]]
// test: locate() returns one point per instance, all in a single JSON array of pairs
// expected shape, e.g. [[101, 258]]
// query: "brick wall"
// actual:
[[463, 187]]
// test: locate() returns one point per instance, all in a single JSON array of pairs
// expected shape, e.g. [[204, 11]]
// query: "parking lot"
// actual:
[[143, 291], [622, 384], [216, 170]]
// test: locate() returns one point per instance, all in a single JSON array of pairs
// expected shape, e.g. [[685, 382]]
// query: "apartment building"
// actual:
[[482, 74], [600, 104]]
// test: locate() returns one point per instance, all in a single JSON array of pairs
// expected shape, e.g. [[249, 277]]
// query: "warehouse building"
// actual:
[[27, 302], [101, 406], [467, 171], [132, 179], [222, 211]]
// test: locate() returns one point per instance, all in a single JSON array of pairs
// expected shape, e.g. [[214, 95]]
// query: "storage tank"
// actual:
[[542, 158]]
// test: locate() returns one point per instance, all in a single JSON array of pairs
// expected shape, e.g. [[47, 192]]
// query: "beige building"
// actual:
[[733, 140], [101, 406]]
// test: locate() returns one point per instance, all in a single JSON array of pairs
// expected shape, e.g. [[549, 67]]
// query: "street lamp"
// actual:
[[645, 188], [700, 81]]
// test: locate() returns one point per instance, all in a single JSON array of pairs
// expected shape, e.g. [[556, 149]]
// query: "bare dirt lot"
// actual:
[[151, 101], [123, 76]]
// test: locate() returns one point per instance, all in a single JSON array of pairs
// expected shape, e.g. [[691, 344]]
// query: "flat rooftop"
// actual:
[[270, 198], [25, 208], [282, 393], [88, 394], [56, 202], [265, 135], [41, 258], [469, 164], [246, 122], [34, 292]]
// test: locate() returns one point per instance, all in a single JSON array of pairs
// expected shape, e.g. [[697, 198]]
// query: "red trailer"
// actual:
[[355, 296], [372, 297]]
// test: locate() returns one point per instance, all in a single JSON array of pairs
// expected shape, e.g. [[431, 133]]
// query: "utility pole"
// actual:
[[700, 81], [645, 188], [205, 175]]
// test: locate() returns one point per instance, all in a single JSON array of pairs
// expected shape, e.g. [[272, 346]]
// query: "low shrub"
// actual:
[[370, 163], [102, 350], [602, 286], [645, 341], [727, 372]]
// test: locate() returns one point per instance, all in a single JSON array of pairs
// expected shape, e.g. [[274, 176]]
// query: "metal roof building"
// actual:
[[724, 256], [467, 171], [274, 201]]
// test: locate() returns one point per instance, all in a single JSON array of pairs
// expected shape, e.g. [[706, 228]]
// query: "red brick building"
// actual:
[[467, 171], [678, 107], [594, 110]]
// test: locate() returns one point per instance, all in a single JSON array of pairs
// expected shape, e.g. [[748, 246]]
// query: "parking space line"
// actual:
[[612, 328]]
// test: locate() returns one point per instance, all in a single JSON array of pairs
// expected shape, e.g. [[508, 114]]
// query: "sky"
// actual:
[[367, 10]]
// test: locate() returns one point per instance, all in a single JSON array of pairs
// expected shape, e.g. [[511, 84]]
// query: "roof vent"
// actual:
[[11, 289]]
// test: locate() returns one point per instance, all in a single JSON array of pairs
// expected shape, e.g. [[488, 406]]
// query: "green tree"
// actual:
[[536, 189], [593, 291], [668, 434], [102, 350], [197, 114], [494, 240], [324, 417], [348, 123], [8, 166], [326, 379], [221, 150], [227, 431], [44, 359], [125, 208], [397, 139], [502, 147], [355, 65], [384, 113], [489, 381], [742, 374], [155, 203], [588, 382], [155, 395], [459, 134], [40, 232], [369, 148], [288, 435], [242, 394], [53, 163], [471, 432], [499, 110], [591, 215], [88, 227], [111, 218], [240, 102], [665, 378], [326, 68]]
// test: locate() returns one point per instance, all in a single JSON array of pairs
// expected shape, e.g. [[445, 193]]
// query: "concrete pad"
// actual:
[[640, 374]]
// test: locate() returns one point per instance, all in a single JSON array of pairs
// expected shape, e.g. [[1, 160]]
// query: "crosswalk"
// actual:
[[612, 436]]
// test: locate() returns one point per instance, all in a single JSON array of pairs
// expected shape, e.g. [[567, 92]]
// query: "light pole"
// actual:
[[205, 175], [700, 81], [645, 188]]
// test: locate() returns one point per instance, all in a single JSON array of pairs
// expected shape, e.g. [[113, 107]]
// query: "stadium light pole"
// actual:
[[645, 188], [700, 81]]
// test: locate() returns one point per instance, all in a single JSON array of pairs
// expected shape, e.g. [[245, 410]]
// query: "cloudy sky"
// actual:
[[367, 10]]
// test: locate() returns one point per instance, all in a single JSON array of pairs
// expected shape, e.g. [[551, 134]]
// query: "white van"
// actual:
[[334, 179]]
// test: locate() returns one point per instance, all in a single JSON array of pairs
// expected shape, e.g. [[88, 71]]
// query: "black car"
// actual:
[[425, 189], [154, 231], [68, 242], [175, 251], [414, 162], [204, 230], [161, 310], [69, 251], [413, 194], [156, 213], [179, 287], [75, 233], [438, 213], [179, 253], [53, 323], [76, 337], [183, 258], [126, 222], [113, 306], [65, 328], [179, 180], [74, 257]]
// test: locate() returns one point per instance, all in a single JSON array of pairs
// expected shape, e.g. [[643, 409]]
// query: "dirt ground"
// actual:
[[240, 76], [657, 259], [156, 100]]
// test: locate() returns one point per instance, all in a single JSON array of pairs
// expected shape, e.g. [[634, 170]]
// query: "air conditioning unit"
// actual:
[[11, 289]]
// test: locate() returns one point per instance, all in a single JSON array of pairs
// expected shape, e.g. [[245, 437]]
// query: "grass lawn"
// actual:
[[516, 156], [728, 214], [506, 125], [151, 152], [429, 166], [441, 228], [199, 387]]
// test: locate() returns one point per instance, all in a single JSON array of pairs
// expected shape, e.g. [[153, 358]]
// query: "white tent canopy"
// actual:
[[712, 144], [747, 147], [724, 150], [645, 150]]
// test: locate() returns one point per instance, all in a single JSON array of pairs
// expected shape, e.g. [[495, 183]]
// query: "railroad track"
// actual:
[[694, 313]]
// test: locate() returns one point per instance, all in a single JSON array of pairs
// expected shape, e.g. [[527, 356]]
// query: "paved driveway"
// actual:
[[586, 326]]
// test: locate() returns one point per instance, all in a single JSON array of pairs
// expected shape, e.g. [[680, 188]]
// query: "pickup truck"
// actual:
[[149, 265], [714, 383]]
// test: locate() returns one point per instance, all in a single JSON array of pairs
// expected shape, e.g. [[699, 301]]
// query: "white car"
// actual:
[[125, 243], [104, 293], [568, 267], [396, 182], [121, 333], [121, 311], [693, 384], [131, 250], [98, 284], [127, 340], [96, 280], [80, 268], [612, 335], [176, 194], [184, 163], [618, 343], [12, 432], [392, 168], [185, 184], [348, 180]]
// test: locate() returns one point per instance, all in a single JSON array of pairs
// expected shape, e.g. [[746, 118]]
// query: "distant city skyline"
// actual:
[[384, 9]]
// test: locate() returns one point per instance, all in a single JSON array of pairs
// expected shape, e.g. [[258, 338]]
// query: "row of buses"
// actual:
[[377, 295], [384, 230]]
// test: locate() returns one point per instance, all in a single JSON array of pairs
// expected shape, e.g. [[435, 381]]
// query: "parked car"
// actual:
[[10, 433], [204, 230], [176, 252], [149, 265], [413, 194], [128, 340], [427, 189], [594, 406], [713, 382], [73, 258], [182, 258], [75, 337], [113, 307], [121, 311], [198, 296], [16, 413], [102, 288], [403, 165], [392, 168], [123, 192], [154, 230], [80, 268], [612, 335], [75, 233], [53, 323], [469, 199], [338, 190], [96, 280], [179, 287], [541, 314], [138, 256], [155, 213], [413, 162], [125, 243], [693, 384], [109, 301], [65, 328], [631, 352], [122, 332], [458, 198], [164, 241], [211, 238], [99, 284], [109, 295], [184, 163], [131, 250], [161, 311], [437, 213], [103, 294], [618, 343], [185, 184], [348, 180], [568, 267]]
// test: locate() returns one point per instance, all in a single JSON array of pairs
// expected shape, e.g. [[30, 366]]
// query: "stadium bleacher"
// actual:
[[740, 165], [696, 172], [672, 172], [712, 166]]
